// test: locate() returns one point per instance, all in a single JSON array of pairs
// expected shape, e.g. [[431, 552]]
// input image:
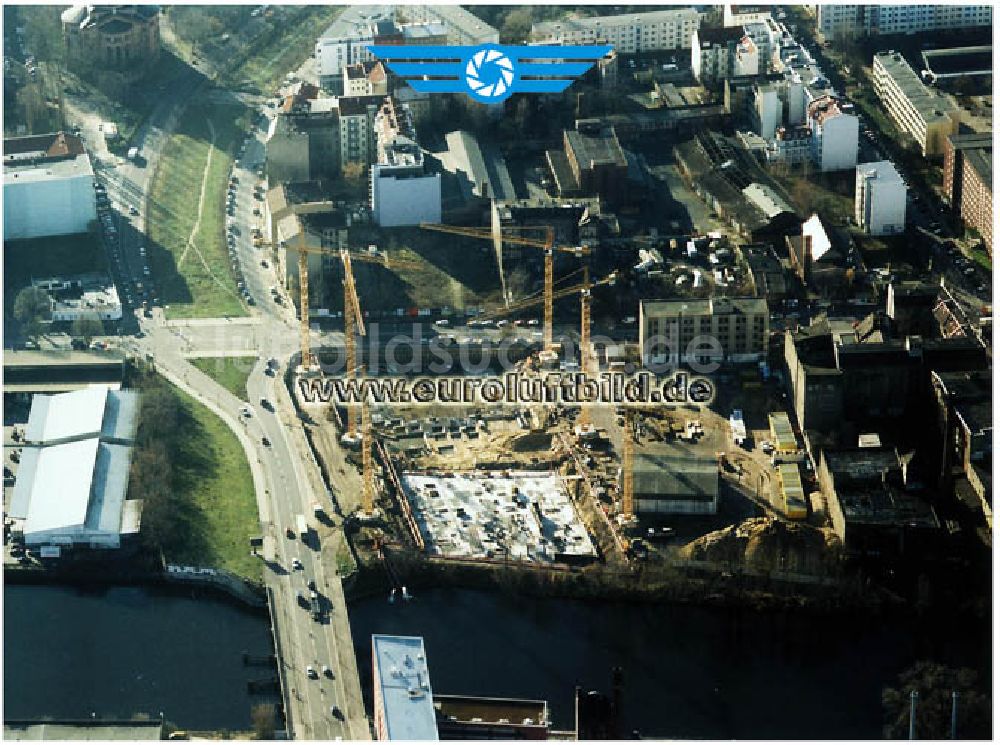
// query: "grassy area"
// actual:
[[981, 257], [207, 513], [284, 47], [229, 372], [829, 195], [188, 251]]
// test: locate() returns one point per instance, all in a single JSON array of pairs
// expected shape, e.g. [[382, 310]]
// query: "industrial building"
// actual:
[[73, 476], [836, 21], [48, 186], [968, 181], [673, 485], [88, 296], [670, 330], [488, 718], [793, 497], [927, 115], [880, 198], [403, 705], [872, 512], [629, 33], [591, 162], [513, 515]]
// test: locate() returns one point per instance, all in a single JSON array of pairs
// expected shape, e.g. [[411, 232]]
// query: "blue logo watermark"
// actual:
[[489, 73]]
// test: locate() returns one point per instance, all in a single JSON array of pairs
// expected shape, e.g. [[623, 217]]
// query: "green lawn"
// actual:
[[981, 257], [194, 275], [283, 48], [230, 372], [211, 510]]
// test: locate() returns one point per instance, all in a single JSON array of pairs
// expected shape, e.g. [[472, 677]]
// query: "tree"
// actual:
[[934, 684], [32, 307], [262, 716], [516, 26], [86, 327]]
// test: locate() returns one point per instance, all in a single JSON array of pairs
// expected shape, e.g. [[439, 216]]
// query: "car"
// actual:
[[251, 301], [266, 404], [311, 672], [442, 323], [265, 442], [311, 584], [263, 264], [256, 211], [337, 713], [133, 211], [290, 533], [296, 564], [327, 671], [269, 372]]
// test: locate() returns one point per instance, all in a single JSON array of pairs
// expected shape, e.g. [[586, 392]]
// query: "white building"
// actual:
[[85, 297], [48, 187], [402, 190], [837, 21], [741, 15], [713, 53], [461, 26], [834, 134], [74, 470], [628, 33], [746, 59], [880, 198]]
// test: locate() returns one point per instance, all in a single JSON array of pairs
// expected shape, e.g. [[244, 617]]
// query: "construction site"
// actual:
[[539, 486]]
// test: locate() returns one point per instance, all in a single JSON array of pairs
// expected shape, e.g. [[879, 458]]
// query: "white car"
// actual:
[[443, 323], [311, 672], [296, 564]]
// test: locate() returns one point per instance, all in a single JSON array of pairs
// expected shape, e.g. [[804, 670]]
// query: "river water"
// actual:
[[690, 672], [124, 650]]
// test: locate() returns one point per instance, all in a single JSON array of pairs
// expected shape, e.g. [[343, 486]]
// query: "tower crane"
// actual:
[[547, 245], [628, 466]]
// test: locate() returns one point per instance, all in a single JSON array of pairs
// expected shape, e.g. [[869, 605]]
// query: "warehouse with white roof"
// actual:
[[73, 476]]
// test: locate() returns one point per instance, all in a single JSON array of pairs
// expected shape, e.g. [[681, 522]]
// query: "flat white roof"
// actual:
[[405, 686]]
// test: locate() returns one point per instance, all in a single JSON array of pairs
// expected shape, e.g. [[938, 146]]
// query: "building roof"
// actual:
[[971, 139], [767, 199], [52, 145], [931, 105], [667, 476], [710, 35], [882, 170], [403, 683], [90, 412], [596, 148], [85, 729], [709, 306], [981, 161], [555, 28], [813, 227], [466, 23]]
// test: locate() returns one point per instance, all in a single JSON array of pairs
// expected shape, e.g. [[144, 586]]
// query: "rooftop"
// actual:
[[491, 710], [463, 21], [83, 729], [709, 35], [710, 306], [404, 686], [82, 414], [981, 161], [931, 105], [555, 28], [596, 148], [665, 476], [882, 170]]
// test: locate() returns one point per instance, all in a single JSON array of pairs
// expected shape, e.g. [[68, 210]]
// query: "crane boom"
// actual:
[[547, 245], [628, 447]]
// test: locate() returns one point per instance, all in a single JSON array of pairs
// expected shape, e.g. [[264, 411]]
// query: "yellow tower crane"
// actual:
[[628, 466], [547, 245]]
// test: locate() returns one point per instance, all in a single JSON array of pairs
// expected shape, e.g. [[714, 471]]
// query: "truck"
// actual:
[[314, 605], [303, 527]]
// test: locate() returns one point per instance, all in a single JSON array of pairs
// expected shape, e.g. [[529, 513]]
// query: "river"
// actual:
[[120, 651], [690, 672]]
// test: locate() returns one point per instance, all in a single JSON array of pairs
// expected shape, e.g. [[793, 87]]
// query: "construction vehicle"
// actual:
[[547, 245]]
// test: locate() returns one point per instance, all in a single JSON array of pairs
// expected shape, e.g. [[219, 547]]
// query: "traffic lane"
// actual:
[[323, 648]]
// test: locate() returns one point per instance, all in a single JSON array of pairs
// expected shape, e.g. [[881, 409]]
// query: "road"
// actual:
[[286, 478]]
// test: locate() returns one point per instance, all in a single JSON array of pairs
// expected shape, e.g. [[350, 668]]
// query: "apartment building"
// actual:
[[834, 133], [880, 198], [968, 181], [836, 21], [719, 329], [713, 53], [629, 33], [460, 26], [927, 115], [366, 79], [402, 190]]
